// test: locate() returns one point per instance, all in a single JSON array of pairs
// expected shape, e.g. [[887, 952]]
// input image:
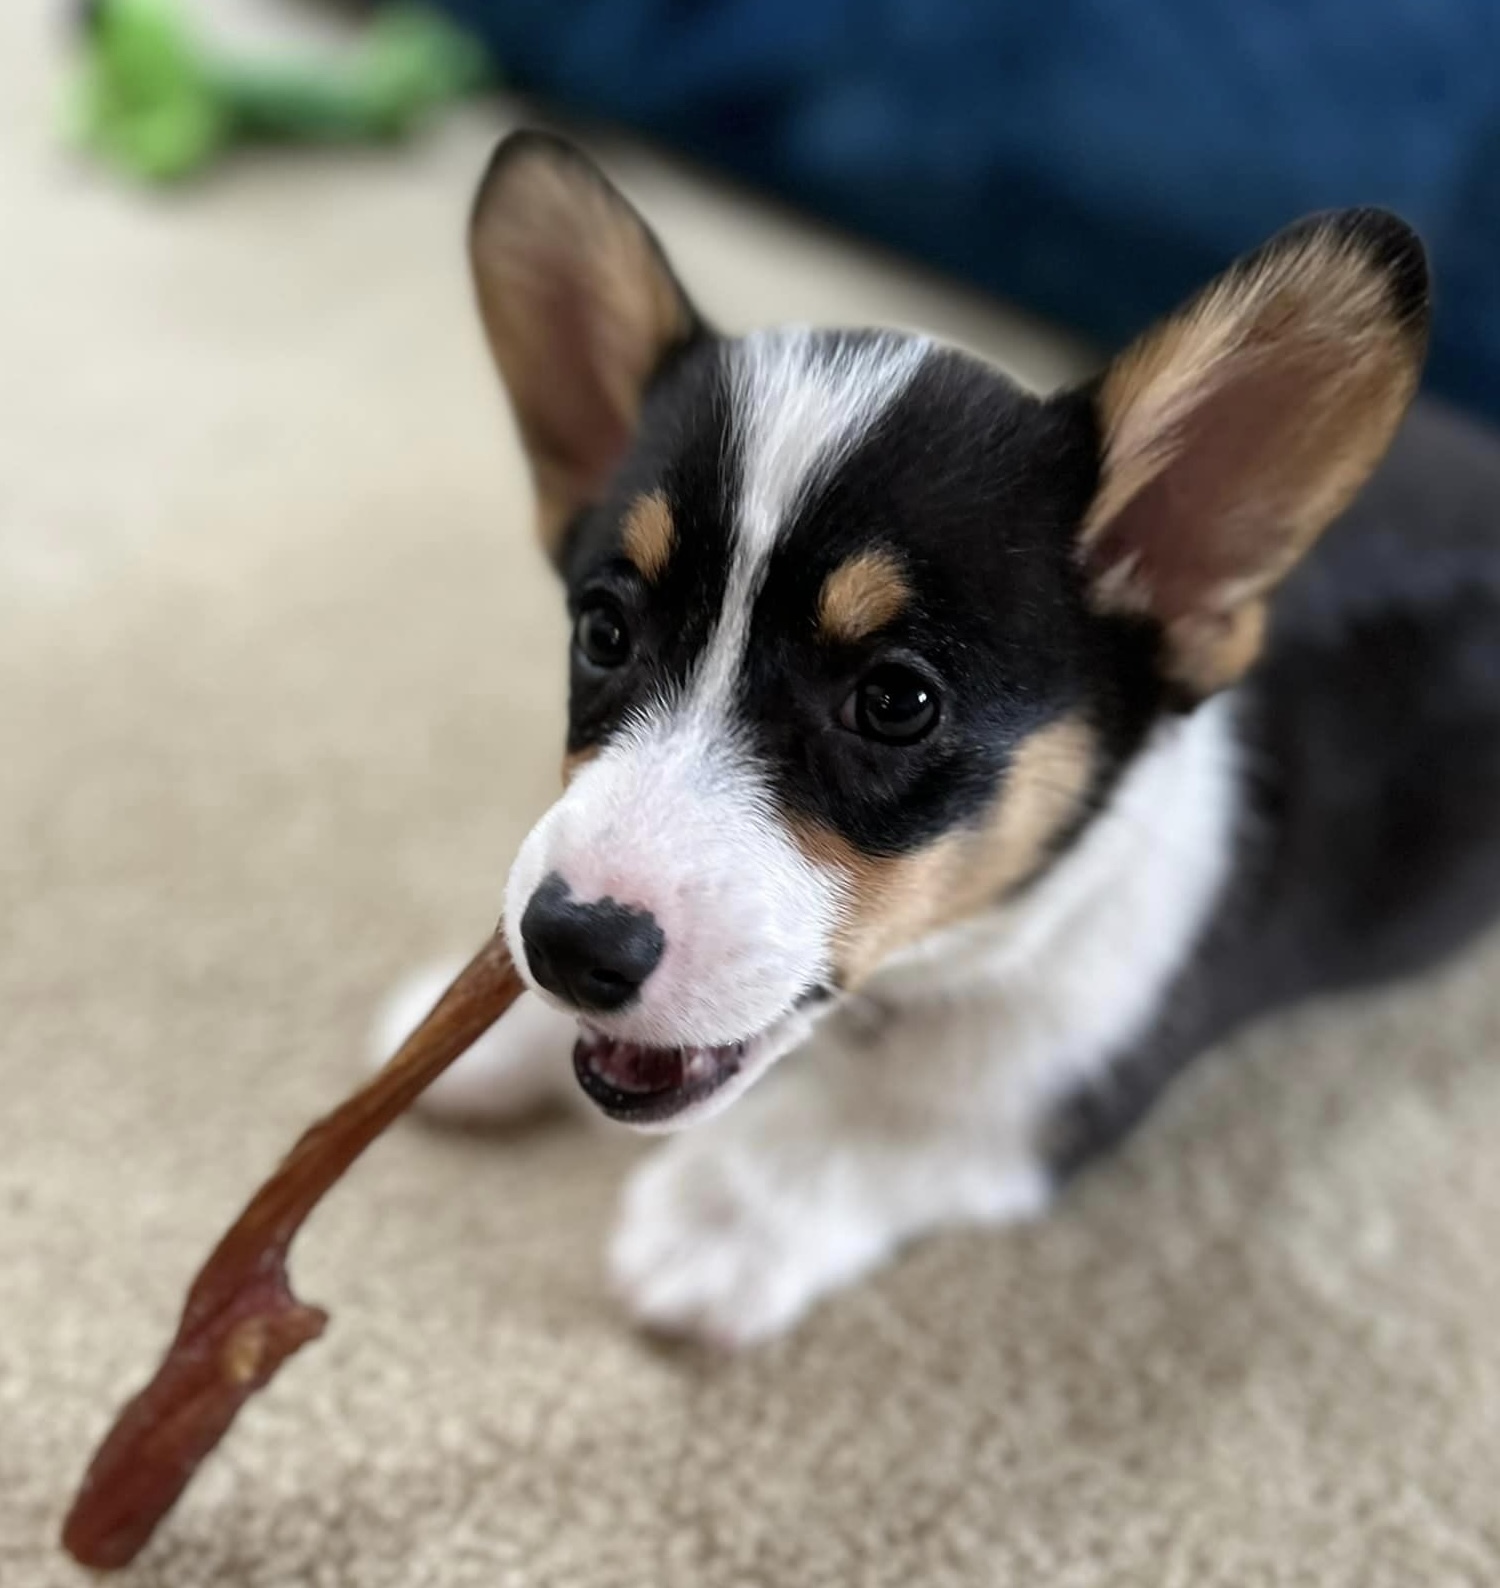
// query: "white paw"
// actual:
[[520, 1064], [710, 1247], [731, 1233]]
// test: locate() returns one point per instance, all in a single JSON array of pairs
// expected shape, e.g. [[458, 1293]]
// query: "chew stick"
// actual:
[[241, 1320]]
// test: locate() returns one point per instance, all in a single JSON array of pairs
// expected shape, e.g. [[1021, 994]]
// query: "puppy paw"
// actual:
[[730, 1233], [517, 1067], [729, 1242]]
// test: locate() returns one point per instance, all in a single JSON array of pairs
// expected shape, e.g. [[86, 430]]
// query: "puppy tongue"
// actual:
[[630, 1068]]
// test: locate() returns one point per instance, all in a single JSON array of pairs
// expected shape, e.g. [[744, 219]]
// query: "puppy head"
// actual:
[[862, 632]]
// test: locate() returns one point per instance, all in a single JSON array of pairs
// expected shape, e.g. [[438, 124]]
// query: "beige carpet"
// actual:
[[279, 692]]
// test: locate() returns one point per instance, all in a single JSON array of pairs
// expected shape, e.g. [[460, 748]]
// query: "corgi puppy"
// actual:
[[972, 759]]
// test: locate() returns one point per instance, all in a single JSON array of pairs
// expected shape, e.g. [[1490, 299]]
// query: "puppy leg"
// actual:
[[732, 1231], [517, 1067]]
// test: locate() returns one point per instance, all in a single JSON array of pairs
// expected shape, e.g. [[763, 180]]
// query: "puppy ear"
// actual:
[[1233, 433], [580, 308]]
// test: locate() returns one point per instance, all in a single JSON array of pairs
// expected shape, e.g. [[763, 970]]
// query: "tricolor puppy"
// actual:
[[974, 758]]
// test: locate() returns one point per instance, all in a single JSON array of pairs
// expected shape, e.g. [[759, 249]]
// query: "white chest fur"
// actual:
[[1033, 999]]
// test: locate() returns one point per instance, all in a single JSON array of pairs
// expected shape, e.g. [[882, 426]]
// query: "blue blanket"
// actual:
[[1091, 159]]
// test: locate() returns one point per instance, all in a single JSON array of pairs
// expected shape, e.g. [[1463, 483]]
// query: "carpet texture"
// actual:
[[280, 691]]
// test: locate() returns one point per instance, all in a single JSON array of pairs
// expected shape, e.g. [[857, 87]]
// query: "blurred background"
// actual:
[[1090, 159], [281, 682]]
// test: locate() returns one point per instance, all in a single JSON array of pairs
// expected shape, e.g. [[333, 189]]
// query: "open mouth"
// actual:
[[644, 1086]]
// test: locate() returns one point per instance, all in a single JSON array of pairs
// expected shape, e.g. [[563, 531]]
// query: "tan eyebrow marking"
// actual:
[[650, 535], [861, 596]]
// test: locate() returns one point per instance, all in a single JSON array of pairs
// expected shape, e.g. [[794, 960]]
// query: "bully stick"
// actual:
[[241, 1320]]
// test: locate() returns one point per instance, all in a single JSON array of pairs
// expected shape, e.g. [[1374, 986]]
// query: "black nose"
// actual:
[[594, 956]]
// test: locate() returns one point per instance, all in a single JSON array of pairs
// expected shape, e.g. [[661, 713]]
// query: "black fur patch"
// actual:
[[686, 451], [1369, 846], [976, 489]]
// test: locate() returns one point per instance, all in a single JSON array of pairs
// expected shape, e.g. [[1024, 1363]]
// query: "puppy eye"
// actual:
[[600, 633], [894, 704]]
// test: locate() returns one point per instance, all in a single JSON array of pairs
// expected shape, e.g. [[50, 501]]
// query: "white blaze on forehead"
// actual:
[[674, 815], [802, 401]]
